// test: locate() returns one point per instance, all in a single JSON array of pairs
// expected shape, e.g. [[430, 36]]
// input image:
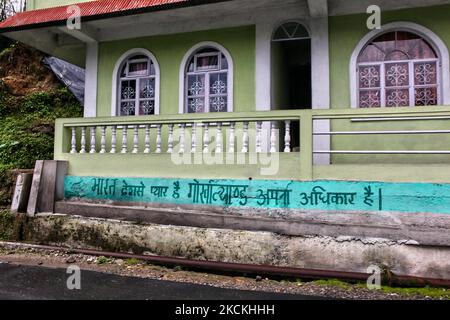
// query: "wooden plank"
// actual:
[[34, 191]]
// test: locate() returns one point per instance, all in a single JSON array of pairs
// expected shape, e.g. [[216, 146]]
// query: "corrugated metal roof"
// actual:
[[92, 10]]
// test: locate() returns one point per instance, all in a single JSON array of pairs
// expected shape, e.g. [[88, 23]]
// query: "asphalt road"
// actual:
[[40, 283]]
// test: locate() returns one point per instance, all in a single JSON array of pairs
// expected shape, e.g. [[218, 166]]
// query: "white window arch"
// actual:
[[136, 81], [206, 79], [403, 64]]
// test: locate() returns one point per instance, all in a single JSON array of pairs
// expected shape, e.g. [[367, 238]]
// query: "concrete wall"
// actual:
[[264, 248]]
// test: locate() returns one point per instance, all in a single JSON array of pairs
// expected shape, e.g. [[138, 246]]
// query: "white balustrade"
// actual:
[[147, 139], [182, 138], [158, 138], [135, 140], [231, 138], [124, 139], [113, 139], [287, 136], [170, 140], [245, 138], [184, 145], [83, 140], [206, 138], [194, 138], [273, 137], [73, 148], [258, 137], [219, 138], [103, 140], [93, 140]]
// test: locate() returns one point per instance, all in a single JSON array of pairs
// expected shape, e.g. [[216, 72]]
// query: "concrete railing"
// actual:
[[265, 132]]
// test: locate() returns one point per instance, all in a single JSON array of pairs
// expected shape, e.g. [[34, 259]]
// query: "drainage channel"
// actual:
[[262, 270]]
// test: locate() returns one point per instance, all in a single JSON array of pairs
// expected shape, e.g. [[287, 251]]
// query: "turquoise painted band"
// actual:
[[320, 195]]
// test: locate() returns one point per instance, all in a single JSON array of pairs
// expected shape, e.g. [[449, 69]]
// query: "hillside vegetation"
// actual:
[[31, 98]]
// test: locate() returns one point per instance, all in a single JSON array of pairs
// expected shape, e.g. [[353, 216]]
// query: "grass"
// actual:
[[333, 283], [436, 293], [132, 262]]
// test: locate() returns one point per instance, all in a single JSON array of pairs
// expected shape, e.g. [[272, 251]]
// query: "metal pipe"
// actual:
[[302, 273], [381, 152], [400, 119], [330, 133]]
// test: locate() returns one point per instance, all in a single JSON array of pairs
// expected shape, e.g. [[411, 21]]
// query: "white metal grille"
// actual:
[[206, 82], [398, 69], [137, 86]]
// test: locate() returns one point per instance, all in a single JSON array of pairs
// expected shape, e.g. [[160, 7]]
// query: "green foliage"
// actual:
[[333, 283], [6, 225], [103, 260], [27, 130], [132, 262], [425, 292]]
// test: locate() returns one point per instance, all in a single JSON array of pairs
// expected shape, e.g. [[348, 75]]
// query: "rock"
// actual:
[[71, 260], [119, 262]]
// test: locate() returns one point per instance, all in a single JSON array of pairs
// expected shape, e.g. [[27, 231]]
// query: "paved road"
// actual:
[[27, 282]]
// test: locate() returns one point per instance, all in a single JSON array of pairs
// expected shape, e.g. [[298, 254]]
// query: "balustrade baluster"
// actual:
[[113, 139], [194, 138], [147, 139], [219, 138], [170, 142], [245, 138], [83, 140], [273, 137], [206, 138], [258, 137], [124, 139], [93, 140], [182, 138], [136, 140], [158, 138], [103, 140], [287, 137], [231, 138], [74, 141]]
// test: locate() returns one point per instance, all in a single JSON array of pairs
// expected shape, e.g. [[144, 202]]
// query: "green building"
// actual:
[[245, 108]]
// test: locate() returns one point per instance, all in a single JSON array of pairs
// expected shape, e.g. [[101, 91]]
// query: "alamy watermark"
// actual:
[[374, 20], [74, 20], [374, 281], [74, 280], [185, 152]]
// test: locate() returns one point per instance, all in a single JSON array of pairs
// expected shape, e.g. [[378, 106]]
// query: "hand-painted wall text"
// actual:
[[311, 195]]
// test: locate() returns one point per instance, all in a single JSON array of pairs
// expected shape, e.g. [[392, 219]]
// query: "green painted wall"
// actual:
[[41, 4], [345, 34], [169, 51]]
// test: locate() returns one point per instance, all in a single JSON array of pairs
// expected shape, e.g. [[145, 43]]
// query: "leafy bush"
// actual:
[[27, 130]]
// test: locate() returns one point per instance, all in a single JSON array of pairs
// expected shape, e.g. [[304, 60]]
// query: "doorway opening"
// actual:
[[291, 71]]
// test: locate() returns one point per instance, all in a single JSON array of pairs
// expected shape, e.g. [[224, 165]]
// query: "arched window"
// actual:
[[207, 81], [137, 86], [398, 69]]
